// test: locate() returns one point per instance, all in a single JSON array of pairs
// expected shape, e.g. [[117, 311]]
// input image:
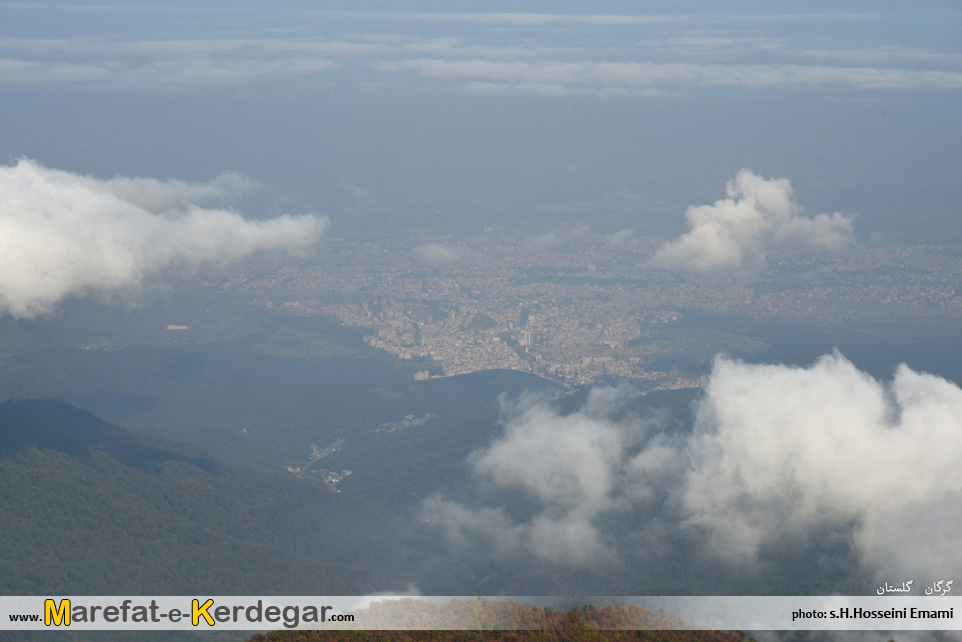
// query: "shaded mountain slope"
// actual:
[[88, 508]]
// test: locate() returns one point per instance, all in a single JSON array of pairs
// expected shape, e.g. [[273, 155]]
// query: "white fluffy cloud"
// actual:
[[735, 232], [780, 452], [65, 235], [575, 468], [778, 455]]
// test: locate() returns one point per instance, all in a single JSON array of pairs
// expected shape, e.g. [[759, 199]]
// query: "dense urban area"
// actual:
[[576, 306]]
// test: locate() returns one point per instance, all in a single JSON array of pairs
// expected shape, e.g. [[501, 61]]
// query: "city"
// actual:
[[580, 307]]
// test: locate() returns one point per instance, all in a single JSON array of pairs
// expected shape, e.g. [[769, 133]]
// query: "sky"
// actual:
[[415, 115]]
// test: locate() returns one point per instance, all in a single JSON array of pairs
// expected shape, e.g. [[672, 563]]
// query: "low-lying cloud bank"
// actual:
[[778, 454], [65, 235], [735, 233]]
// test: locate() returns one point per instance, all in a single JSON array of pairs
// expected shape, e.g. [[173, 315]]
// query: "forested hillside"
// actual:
[[88, 508]]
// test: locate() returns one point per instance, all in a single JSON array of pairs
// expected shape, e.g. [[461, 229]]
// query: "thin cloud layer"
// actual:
[[544, 241], [618, 238], [580, 76], [64, 235], [736, 232], [549, 54], [514, 18], [436, 255], [152, 194]]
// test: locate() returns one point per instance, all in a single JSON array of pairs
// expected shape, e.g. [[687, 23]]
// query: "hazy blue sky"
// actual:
[[486, 111]]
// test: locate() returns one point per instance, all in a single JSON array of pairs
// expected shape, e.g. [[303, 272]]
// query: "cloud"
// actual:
[[64, 235], [633, 75], [530, 19], [545, 241], [574, 475], [781, 452], [168, 64], [735, 233], [364, 200], [365, 601], [575, 468], [456, 48], [778, 456], [618, 238], [550, 240], [678, 51], [152, 194], [436, 255], [883, 54], [515, 18]]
